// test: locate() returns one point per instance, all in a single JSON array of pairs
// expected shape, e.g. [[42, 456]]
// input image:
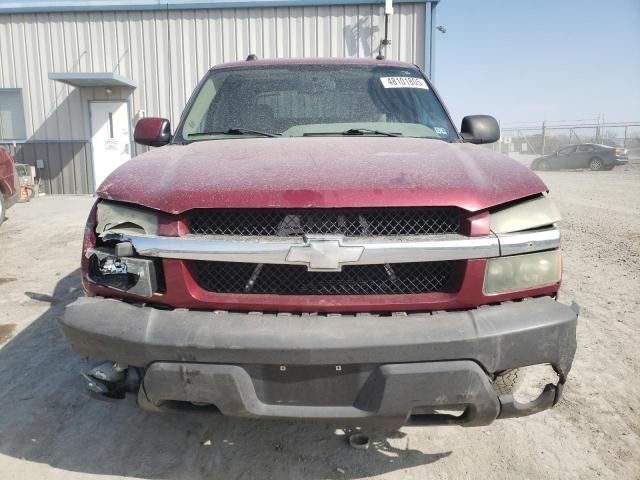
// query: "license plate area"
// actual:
[[309, 385]]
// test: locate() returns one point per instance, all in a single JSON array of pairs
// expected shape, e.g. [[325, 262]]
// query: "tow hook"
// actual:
[[111, 380]]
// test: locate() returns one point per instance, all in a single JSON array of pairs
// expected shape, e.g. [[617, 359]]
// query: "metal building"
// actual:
[[75, 75]]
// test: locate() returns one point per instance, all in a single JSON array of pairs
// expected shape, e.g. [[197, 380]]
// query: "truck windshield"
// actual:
[[315, 100]]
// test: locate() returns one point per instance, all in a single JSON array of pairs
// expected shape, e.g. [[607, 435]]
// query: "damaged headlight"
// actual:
[[113, 266], [519, 272], [113, 263], [109, 270], [134, 275], [116, 217], [527, 215]]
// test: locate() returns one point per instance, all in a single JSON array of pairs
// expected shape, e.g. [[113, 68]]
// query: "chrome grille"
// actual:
[[350, 222], [252, 278]]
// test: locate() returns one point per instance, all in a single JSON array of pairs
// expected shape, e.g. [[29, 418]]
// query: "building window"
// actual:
[[12, 125]]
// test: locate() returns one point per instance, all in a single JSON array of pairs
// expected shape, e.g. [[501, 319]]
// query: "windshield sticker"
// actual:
[[404, 82], [443, 132]]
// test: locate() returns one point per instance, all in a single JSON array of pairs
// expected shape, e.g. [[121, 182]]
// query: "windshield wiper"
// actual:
[[353, 131], [362, 131], [235, 131]]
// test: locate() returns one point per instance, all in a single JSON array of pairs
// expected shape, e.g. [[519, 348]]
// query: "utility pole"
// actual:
[[544, 134], [384, 43]]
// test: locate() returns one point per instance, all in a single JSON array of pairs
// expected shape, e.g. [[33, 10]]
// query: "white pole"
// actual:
[[385, 42], [388, 7]]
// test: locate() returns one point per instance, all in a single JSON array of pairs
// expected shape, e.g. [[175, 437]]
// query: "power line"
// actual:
[[539, 122]]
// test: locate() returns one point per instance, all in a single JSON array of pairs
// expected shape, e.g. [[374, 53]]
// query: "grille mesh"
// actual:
[[349, 222], [251, 278]]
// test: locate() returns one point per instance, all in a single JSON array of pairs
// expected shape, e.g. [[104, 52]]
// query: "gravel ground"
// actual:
[[50, 430]]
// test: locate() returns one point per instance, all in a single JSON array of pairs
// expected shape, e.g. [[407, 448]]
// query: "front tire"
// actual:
[[596, 164], [543, 166]]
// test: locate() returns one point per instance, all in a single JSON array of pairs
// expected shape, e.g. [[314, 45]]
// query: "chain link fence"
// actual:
[[528, 142]]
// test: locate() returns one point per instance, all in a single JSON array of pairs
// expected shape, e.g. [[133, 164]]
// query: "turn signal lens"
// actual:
[[519, 272]]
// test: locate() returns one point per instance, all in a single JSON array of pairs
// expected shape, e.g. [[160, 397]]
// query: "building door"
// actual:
[[110, 137]]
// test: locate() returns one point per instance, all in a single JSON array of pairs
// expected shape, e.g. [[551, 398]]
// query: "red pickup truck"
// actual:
[[9, 184], [316, 240]]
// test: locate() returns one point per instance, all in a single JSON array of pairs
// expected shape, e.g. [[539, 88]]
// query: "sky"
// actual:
[[525, 61]]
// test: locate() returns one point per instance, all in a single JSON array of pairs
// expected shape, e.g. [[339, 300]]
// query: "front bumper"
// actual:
[[344, 368]]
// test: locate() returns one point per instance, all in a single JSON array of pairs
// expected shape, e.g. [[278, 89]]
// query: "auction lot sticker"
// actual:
[[404, 82]]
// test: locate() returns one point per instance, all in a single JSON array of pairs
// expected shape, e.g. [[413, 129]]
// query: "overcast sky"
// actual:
[[530, 60]]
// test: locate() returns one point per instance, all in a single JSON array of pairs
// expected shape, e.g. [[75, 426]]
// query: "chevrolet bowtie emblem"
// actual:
[[324, 254]]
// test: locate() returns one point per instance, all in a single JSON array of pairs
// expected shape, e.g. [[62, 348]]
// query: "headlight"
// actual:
[[534, 213], [113, 263], [133, 275], [519, 272], [115, 217]]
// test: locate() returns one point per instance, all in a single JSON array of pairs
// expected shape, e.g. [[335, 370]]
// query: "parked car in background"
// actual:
[[586, 155], [9, 185]]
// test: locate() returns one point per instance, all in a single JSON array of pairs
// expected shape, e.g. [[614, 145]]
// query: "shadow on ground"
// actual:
[[46, 417]]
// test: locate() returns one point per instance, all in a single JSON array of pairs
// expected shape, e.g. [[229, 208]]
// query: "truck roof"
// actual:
[[313, 61]]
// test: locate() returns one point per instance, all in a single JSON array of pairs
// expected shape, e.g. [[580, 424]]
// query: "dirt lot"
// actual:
[[48, 429]]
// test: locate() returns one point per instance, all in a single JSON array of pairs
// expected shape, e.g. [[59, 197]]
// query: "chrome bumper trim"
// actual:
[[528, 242], [330, 252]]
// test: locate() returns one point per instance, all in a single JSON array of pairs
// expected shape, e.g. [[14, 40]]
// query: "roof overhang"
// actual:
[[92, 79], [29, 6]]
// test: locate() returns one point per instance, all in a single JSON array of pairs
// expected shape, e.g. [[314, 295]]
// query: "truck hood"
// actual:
[[320, 172]]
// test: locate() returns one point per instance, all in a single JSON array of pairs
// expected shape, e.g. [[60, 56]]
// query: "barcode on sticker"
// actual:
[[404, 82]]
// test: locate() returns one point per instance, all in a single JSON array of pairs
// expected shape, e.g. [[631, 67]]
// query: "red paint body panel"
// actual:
[[320, 172], [182, 290], [9, 186], [149, 129]]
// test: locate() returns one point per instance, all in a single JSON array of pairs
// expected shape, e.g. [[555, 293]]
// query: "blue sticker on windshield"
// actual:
[[443, 132]]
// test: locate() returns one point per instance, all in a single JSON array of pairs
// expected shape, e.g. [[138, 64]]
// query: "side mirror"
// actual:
[[152, 131], [480, 129]]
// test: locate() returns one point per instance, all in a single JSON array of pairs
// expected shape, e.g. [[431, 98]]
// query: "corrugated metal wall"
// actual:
[[166, 52], [67, 168]]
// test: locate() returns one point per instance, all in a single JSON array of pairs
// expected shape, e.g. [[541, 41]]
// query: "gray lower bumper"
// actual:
[[331, 367]]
